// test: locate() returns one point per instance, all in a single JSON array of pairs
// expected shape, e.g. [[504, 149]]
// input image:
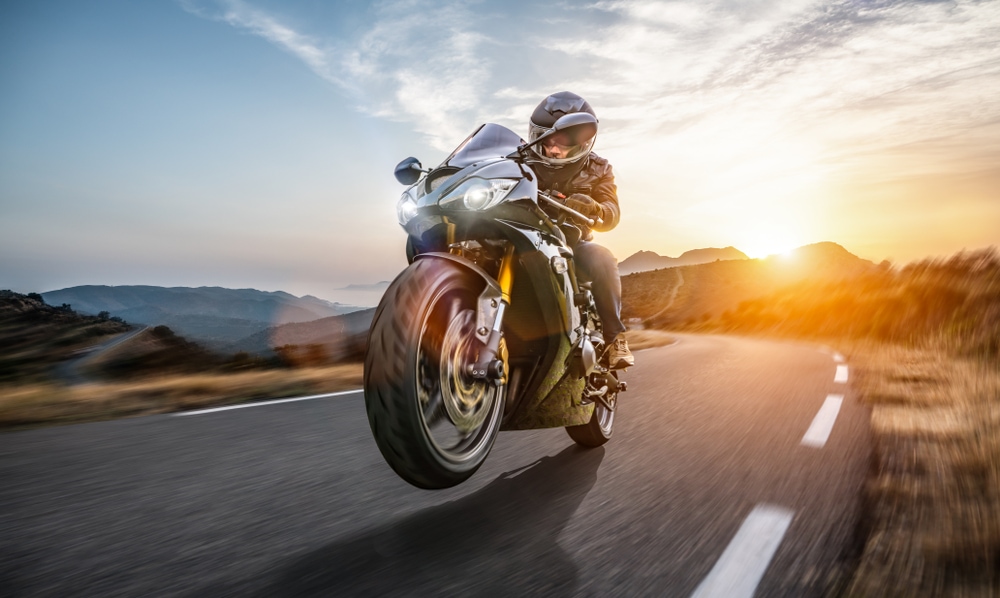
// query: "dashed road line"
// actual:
[[838, 358], [819, 431], [841, 375], [739, 570], [262, 403]]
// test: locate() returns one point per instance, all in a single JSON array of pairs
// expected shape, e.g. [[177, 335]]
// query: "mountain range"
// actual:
[[213, 315], [643, 261]]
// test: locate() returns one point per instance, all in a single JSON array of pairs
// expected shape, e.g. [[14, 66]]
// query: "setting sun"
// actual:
[[761, 240]]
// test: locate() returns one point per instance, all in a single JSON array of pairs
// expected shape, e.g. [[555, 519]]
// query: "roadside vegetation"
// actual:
[[52, 372], [932, 511], [45, 403], [35, 337], [923, 342]]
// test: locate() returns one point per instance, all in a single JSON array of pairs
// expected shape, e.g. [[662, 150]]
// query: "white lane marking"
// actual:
[[742, 565], [261, 403], [838, 358], [818, 433], [841, 375]]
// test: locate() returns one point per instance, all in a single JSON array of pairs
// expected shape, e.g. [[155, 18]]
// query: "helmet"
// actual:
[[561, 149]]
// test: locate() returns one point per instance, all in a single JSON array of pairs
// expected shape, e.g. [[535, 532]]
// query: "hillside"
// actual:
[[647, 260], [35, 337], [212, 315], [708, 290], [340, 337], [153, 351], [824, 291]]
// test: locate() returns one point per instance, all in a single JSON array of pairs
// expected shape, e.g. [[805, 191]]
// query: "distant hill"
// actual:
[[368, 295], [644, 261], [213, 315], [378, 286], [708, 290], [35, 337], [341, 337]]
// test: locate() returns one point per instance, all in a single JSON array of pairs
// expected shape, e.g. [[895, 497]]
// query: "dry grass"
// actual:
[[933, 512], [49, 403]]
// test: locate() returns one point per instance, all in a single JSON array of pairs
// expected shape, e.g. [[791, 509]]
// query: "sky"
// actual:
[[250, 143]]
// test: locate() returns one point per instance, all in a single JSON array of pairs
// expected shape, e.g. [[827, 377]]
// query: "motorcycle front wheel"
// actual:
[[433, 423]]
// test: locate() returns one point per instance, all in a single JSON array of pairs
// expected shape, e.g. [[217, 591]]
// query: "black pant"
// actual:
[[597, 264]]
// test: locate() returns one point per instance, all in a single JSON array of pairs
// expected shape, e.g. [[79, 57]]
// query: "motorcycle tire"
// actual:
[[601, 426], [433, 423]]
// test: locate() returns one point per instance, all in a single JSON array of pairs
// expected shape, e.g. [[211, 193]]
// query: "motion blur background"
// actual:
[[250, 143]]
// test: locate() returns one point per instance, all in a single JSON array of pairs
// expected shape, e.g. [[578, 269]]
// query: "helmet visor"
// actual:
[[563, 147]]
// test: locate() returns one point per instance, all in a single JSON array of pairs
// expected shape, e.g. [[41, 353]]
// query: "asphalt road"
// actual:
[[705, 479]]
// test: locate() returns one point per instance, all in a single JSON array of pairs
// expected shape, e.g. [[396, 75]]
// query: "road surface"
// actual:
[[735, 470]]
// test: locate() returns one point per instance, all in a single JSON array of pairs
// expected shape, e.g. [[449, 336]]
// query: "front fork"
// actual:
[[489, 365]]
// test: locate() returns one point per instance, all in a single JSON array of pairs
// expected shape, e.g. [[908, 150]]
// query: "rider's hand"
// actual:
[[584, 204]]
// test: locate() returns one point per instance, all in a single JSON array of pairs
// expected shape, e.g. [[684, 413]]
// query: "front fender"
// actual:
[[488, 304]]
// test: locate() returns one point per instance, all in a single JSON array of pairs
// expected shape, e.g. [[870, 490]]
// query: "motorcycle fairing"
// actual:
[[488, 141], [556, 401]]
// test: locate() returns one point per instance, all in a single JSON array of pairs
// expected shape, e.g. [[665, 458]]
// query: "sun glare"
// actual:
[[766, 245]]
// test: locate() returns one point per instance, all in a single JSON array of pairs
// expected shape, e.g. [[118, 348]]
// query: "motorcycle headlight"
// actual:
[[406, 207], [477, 194]]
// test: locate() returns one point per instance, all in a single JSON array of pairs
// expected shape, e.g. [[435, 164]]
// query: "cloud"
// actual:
[[706, 83], [422, 65], [417, 62], [245, 17]]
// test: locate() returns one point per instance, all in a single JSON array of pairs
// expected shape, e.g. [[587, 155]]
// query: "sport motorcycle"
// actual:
[[489, 328]]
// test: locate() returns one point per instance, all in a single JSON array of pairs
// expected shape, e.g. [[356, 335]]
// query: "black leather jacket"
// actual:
[[595, 179]]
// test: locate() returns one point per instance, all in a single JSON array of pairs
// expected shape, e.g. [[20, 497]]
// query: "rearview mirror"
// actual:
[[408, 171]]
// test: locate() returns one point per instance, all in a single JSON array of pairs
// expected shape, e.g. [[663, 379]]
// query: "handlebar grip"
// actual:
[[591, 222]]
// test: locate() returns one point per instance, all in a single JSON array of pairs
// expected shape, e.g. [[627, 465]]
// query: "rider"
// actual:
[[587, 180]]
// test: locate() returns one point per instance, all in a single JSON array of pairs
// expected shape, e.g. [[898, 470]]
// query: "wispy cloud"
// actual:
[[245, 17], [418, 61], [421, 63]]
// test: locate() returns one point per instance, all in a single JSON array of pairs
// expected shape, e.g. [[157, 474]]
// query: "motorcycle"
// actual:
[[488, 328]]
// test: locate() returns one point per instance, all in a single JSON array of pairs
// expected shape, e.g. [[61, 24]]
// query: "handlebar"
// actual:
[[591, 222]]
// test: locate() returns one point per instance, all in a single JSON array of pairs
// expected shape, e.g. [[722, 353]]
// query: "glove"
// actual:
[[585, 204]]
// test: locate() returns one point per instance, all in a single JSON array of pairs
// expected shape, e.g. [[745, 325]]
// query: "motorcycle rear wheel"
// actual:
[[599, 429], [433, 423]]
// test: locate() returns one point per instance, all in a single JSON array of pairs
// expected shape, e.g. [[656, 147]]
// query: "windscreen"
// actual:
[[490, 141]]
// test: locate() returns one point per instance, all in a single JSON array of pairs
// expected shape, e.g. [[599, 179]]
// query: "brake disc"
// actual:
[[467, 400]]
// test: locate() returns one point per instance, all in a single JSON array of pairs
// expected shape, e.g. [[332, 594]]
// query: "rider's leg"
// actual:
[[597, 264]]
